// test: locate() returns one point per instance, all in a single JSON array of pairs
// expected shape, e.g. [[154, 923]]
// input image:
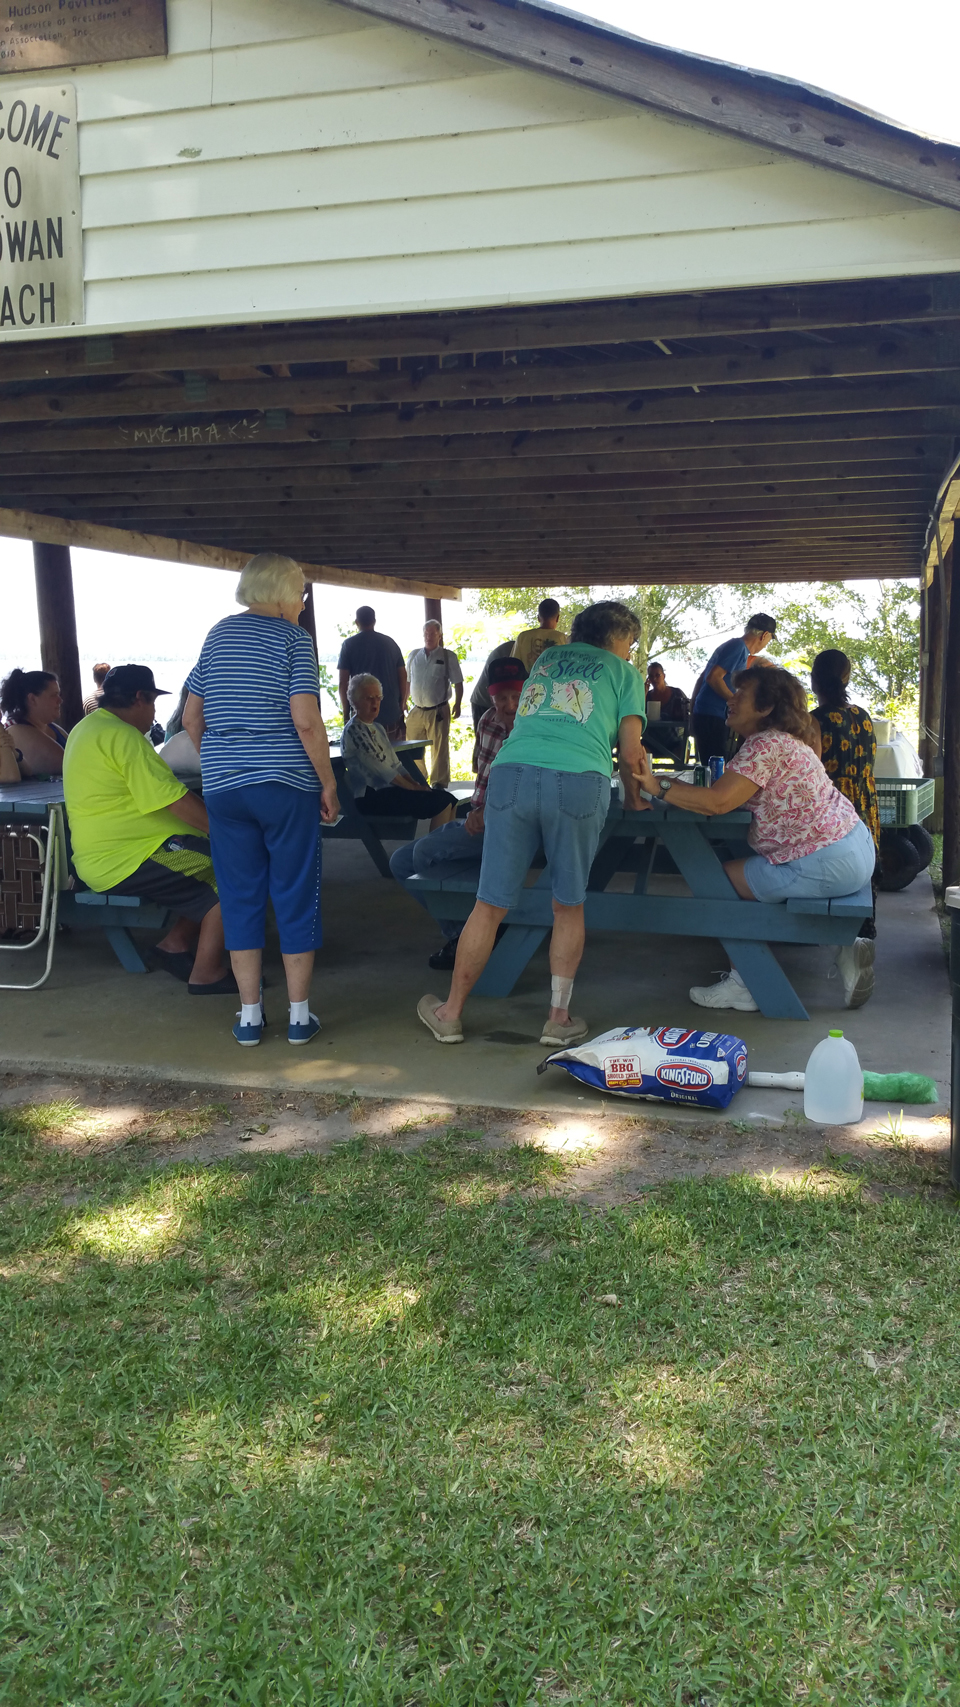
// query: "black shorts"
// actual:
[[173, 889], [396, 802]]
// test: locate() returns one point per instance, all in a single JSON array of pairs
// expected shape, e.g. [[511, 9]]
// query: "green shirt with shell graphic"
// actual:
[[571, 708]]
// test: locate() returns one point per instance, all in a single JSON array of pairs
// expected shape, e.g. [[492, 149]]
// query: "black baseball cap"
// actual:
[[122, 684]]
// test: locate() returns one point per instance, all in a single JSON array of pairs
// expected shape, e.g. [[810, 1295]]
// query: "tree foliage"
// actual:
[[880, 635], [879, 630], [678, 621]]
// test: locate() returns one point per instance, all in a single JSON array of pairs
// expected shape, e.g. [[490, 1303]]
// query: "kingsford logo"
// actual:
[[684, 1077], [671, 1036]]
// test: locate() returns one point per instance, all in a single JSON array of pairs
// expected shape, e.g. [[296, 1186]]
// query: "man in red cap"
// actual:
[[456, 850]]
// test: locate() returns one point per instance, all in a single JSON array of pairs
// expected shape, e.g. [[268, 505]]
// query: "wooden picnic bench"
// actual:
[[712, 909]]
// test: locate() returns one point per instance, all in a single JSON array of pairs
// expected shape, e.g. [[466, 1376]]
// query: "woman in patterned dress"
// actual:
[[848, 748]]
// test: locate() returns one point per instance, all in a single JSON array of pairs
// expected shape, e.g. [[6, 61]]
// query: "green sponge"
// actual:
[[898, 1087]]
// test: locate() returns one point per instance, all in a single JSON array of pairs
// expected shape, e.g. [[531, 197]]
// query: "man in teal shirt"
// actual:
[[550, 785]]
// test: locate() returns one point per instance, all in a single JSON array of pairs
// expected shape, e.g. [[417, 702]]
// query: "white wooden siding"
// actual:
[[293, 158]]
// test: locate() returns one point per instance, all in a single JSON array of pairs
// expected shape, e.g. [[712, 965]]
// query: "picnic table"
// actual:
[[40, 801], [712, 909]]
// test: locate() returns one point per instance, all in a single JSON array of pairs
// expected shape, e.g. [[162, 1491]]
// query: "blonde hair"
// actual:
[[270, 579]]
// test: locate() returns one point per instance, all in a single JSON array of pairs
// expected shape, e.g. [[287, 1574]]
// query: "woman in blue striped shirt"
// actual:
[[253, 713]]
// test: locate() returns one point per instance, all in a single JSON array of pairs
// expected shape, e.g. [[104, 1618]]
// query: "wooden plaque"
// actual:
[[80, 32]]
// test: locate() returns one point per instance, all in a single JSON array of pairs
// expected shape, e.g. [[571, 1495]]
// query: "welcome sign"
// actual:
[[42, 34], [41, 243]]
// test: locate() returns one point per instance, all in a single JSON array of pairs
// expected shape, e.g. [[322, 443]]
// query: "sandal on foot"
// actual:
[[444, 1030]]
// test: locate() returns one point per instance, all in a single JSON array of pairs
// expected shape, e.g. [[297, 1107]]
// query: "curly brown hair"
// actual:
[[780, 699]]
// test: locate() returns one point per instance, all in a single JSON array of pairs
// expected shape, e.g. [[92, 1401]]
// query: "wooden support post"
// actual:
[[432, 611], [931, 680], [58, 625], [308, 618], [951, 735]]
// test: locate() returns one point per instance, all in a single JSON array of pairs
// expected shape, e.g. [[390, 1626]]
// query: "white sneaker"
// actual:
[[855, 966], [731, 992]]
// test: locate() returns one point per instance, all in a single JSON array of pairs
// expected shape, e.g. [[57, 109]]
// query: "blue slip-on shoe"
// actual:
[[248, 1036], [303, 1033]]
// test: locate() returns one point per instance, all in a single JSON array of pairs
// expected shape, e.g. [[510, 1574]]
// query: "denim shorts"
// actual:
[[526, 808], [839, 869]]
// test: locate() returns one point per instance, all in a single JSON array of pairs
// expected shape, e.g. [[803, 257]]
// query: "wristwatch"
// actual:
[[665, 787]]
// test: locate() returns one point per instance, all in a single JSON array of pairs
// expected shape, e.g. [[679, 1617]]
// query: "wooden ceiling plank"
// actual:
[[879, 357], [815, 307], [444, 484], [55, 449], [93, 471], [732, 405]]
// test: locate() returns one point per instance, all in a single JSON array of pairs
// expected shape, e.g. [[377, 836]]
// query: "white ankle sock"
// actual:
[[561, 990], [300, 1013], [250, 1013]]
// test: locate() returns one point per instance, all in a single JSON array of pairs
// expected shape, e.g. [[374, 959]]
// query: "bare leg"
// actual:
[[566, 948], [473, 952], [299, 971], [247, 966], [442, 818], [210, 964], [734, 870], [181, 938]]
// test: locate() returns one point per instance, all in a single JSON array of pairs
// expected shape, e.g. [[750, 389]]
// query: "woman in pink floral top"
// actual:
[[806, 837]]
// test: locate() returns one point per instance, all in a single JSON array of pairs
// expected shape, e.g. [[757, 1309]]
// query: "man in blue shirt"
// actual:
[[370, 653], [716, 686]]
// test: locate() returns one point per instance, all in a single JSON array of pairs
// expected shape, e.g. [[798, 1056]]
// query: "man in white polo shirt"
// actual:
[[433, 671]]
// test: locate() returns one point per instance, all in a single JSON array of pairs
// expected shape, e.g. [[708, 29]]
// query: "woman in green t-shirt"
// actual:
[[550, 785]]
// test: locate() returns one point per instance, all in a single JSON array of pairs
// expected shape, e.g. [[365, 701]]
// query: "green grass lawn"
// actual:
[[363, 1429]]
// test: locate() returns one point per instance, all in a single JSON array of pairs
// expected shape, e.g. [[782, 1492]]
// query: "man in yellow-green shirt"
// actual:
[[136, 830], [529, 645]]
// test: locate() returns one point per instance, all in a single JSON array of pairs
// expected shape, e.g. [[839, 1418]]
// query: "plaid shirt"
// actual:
[[491, 734]]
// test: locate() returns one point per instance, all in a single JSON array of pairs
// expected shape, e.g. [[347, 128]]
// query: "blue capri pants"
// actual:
[[265, 841]]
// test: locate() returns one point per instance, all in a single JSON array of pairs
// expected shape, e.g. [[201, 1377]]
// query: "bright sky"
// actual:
[[865, 53], [130, 609]]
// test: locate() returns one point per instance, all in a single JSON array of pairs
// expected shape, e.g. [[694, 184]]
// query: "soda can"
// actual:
[[715, 767], [700, 774]]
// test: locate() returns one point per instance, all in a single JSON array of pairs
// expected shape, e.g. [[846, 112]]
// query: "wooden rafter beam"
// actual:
[[880, 357], [800, 308], [54, 530], [756, 108]]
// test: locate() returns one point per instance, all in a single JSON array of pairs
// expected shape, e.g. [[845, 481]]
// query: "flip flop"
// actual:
[[444, 1030]]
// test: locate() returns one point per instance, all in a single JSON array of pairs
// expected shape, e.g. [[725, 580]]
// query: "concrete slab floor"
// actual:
[[92, 1018]]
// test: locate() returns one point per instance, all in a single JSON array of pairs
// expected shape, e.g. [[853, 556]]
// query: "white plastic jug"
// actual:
[[833, 1083]]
